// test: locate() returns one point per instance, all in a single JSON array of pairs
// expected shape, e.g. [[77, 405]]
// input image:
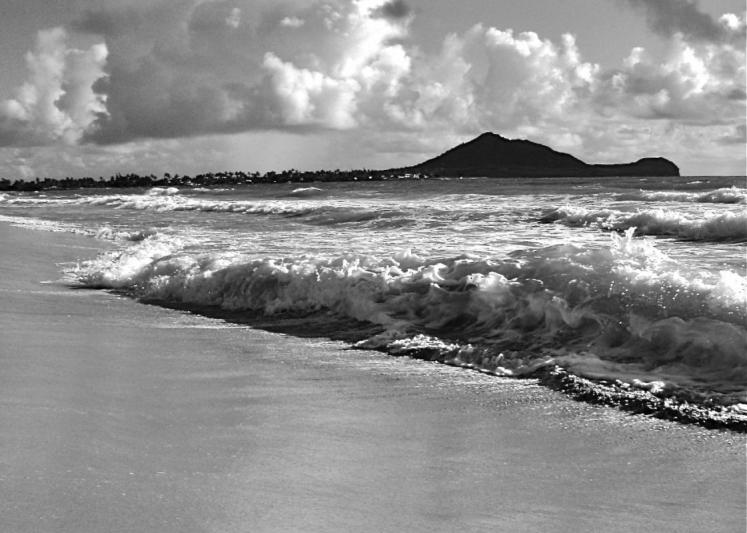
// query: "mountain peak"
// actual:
[[489, 136]]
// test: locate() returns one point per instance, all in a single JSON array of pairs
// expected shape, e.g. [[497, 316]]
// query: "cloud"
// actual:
[[232, 72], [738, 136], [670, 17], [394, 9], [306, 97], [225, 66], [58, 102], [174, 71], [291, 22], [112, 22], [698, 83], [490, 78]]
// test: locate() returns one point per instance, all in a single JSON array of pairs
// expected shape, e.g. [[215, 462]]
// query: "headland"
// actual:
[[491, 155]]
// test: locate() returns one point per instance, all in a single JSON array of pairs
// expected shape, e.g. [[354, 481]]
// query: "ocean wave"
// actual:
[[623, 312], [211, 189], [726, 195], [712, 226], [313, 213], [105, 232], [162, 191], [305, 192], [44, 225], [112, 234], [321, 214]]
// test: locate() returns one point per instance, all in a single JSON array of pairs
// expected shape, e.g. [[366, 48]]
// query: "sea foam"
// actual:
[[711, 226], [726, 195], [307, 211]]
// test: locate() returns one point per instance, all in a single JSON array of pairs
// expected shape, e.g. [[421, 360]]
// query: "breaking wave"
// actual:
[[305, 192], [44, 225], [713, 226], [621, 313], [307, 212], [109, 233], [105, 232], [162, 191], [726, 195]]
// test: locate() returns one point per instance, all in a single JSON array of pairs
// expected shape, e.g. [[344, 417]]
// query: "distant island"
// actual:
[[491, 155], [488, 155]]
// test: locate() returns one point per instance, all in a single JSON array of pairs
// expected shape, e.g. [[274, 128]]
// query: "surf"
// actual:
[[709, 226], [622, 313]]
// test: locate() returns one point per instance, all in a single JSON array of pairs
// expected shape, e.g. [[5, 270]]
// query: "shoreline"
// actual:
[[120, 416], [304, 178]]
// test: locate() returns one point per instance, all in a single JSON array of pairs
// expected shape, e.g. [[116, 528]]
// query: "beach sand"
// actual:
[[120, 416]]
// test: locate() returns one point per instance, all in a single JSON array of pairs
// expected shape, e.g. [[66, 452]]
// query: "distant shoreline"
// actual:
[[125, 181], [488, 155], [217, 179]]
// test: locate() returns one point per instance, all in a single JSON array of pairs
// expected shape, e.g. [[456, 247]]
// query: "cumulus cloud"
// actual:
[[698, 83], [303, 97], [58, 102], [233, 72], [490, 78]]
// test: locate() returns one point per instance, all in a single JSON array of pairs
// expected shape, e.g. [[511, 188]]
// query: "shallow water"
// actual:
[[633, 283]]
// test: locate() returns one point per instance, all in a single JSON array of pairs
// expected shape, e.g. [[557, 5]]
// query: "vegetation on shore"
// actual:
[[207, 179]]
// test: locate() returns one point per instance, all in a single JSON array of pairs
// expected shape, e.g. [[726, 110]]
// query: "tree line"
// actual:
[[208, 179]]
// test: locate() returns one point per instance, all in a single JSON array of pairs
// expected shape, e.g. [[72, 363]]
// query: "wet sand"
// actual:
[[119, 416]]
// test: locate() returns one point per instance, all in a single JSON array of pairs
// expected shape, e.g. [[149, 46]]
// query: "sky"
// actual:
[[97, 87]]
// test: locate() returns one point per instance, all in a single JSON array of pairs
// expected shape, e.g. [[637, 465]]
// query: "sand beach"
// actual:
[[120, 416]]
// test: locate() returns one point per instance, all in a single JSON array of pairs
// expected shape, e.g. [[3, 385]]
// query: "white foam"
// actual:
[[43, 225], [162, 191], [726, 195], [112, 234], [711, 226], [306, 192]]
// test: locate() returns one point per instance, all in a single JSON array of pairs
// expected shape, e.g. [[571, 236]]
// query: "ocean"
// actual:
[[626, 291]]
